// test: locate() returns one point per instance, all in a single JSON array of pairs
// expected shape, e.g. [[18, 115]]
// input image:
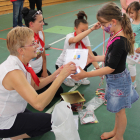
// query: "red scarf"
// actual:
[[36, 37], [34, 76], [81, 42]]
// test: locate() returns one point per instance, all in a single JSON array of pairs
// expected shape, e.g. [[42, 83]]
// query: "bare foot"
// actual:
[[114, 138], [107, 135]]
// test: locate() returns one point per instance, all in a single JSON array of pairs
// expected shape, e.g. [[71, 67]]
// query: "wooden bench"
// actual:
[[7, 7]]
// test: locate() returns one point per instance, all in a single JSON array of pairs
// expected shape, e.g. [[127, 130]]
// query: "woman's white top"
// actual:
[[11, 103], [60, 59], [37, 63]]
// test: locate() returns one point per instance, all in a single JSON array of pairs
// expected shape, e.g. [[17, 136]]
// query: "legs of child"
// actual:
[[132, 70], [119, 128]]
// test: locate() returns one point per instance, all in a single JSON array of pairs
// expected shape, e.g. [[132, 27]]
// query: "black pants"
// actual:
[[32, 124], [38, 4], [85, 69], [59, 91]]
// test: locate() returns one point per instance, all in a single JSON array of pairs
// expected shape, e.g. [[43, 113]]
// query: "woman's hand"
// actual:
[[96, 26], [69, 68], [80, 75]]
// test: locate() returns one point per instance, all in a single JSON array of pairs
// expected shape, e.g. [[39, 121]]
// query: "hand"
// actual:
[[69, 68], [138, 50], [80, 75], [96, 26], [90, 59], [97, 67], [57, 71], [44, 74]]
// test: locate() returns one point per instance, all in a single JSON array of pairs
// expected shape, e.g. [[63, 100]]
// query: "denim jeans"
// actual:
[[17, 16]]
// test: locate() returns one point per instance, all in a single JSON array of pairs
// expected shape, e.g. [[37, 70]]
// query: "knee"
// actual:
[[120, 113]]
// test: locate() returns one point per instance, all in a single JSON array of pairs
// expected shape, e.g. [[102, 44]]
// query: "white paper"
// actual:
[[135, 57], [78, 56]]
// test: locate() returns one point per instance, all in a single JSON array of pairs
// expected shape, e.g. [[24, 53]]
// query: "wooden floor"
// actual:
[[60, 19], [6, 6]]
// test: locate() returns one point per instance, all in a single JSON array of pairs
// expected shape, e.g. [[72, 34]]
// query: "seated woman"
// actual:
[[34, 20], [18, 83]]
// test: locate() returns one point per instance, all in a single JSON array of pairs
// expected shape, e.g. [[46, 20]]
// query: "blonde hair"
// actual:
[[17, 38], [112, 11]]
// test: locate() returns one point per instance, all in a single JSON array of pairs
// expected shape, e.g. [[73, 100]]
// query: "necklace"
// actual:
[[110, 40]]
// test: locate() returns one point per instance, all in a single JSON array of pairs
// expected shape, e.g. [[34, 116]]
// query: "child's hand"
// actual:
[[97, 67], [90, 59], [80, 75], [138, 50], [96, 26]]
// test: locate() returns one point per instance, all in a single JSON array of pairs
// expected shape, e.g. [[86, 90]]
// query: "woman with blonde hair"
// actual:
[[18, 83]]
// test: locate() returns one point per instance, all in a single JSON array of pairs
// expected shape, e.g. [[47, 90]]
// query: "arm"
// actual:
[[44, 67], [99, 58], [46, 81], [95, 64], [92, 58], [84, 34], [99, 72], [123, 4], [16, 80]]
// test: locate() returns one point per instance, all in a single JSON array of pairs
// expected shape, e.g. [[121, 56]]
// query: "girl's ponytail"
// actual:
[[126, 25]]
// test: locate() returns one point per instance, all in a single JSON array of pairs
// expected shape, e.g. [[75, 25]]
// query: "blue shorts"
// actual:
[[119, 91]]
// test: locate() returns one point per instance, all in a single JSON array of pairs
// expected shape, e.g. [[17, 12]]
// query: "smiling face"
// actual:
[[37, 25], [29, 49], [133, 14], [81, 28]]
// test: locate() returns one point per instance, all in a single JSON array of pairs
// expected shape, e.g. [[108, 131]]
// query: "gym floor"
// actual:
[[60, 19]]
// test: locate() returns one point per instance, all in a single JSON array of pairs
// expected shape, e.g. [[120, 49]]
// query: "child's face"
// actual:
[[133, 14], [107, 26], [81, 28]]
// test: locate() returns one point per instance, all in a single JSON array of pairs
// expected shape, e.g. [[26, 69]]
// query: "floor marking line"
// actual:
[[99, 45], [78, 9], [65, 37], [2, 38]]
